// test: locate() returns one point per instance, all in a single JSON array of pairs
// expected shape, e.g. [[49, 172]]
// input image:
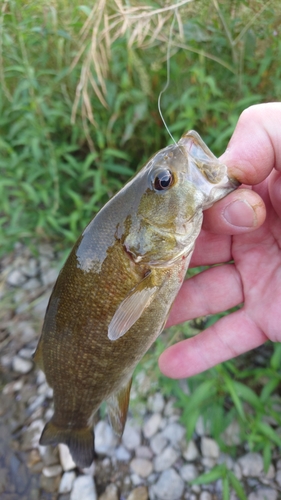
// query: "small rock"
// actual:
[[139, 493], [111, 493], [122, 454], [46, 250], [31, 284], [169, 486], [16, 278], [208, 462], [49, 484], [191, 452], [49, 276], [12, 387], [188, 472], [170, 408], [166, 459], [132, 436], [227, 460], [31, 268], [151, 426], [209, 448], [32, 435], [26, 353], [36, 403], [83, 488], [136, 480], [105, 439], [49, 455], [52, 470], [270, 473], [231, 435], [144, 452], [175, 433], [41, 304], [278, 477], [22, 365], [251, 464], [205, 495], [67, 481], [66, 459], [141, 467], [158, 443], [263, 494], [156, 403]]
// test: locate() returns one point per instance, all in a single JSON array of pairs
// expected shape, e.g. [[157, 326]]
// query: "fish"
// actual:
[[113, 296]]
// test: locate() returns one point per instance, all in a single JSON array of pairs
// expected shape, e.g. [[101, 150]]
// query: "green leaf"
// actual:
[[218, 472], [269, 432], [237, 486], [230, 385]]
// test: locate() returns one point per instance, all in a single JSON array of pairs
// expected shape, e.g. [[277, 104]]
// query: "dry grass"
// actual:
[[109, 20], [143, 26]]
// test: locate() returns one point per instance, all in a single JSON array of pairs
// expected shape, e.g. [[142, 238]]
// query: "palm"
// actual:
[[257, 257], [254, 279]]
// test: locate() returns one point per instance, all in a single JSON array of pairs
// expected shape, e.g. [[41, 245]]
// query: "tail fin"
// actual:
[[79, 441]]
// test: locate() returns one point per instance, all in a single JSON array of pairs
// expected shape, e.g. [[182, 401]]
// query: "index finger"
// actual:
[[255, 147]]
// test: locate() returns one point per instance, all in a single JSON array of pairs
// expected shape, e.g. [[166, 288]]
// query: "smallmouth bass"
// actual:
[[113, 295]]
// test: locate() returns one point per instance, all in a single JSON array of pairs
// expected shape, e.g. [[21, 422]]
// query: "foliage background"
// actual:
[[78, 116]]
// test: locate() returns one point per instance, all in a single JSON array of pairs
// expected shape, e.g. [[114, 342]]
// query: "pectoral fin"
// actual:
[[117, 408], [132, 307]]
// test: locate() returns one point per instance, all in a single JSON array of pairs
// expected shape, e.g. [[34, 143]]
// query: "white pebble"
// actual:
[[191, 452], [105, 439], [122, 454], [209, 448], [188, 472], [132, 436], [166, 459], [251, 464], [169, 486], [22, 365], [141, 466], [52, 470], [263, 493], [152, 425], [67, 481], [156, 403], [158, 443], [83, 488], [66, 459], [175, 433]]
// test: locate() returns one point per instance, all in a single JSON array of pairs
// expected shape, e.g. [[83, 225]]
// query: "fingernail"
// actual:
[[240, 213]]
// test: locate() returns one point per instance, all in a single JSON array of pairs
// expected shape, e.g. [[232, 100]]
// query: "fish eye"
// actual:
[[163, 180]]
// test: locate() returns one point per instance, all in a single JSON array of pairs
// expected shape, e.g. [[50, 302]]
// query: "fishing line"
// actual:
[[168, 78]]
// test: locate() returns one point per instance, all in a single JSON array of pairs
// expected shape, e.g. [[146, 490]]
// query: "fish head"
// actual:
[[171, 192]]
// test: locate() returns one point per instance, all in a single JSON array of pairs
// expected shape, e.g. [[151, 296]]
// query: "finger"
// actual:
[[255, 147], [211, 249], [212, 291], [239, 212], [274, 187], [230, 336]]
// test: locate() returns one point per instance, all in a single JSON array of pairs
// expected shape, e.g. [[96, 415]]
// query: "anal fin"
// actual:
[[117, 408]]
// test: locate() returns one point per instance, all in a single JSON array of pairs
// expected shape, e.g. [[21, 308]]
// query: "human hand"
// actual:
[[244, 227]]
